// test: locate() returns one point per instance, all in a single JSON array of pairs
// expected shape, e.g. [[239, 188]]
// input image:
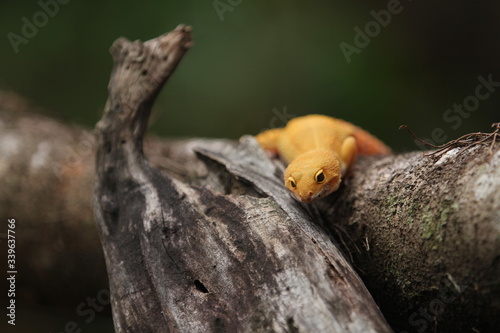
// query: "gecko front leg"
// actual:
[[348, 152], [269, 140]]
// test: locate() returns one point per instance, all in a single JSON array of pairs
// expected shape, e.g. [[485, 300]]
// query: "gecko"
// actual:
[[319, 150]]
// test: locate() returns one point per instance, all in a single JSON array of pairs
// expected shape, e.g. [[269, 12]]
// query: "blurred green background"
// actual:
[[265, 56], [256, 63]]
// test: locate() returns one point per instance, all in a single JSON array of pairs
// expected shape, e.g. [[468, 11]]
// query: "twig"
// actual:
[[467, 141]]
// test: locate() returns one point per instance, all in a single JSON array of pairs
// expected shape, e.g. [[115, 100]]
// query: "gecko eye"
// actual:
[[292, 182], [320, 176]]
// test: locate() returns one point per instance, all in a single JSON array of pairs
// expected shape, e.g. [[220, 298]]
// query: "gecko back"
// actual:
[[368, 144]]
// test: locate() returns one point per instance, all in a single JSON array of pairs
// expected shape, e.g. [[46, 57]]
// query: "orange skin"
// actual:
[[319, 150]]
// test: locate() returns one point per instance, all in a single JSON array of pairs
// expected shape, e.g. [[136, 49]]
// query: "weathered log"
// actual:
[[46, 184], [427, 263], [46, 175], [426, 233], [192, 259], [423, 232]]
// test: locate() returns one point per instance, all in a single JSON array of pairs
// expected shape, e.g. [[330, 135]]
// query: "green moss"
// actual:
[[392, 204], [429, 226], [400, 278], [430, 219], [412, 209], [411, 295], [433, 226]]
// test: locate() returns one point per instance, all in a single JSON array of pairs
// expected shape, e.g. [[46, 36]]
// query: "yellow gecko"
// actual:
[[319, 150]]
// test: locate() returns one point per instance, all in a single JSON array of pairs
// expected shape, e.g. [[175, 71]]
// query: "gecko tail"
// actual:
[[368, 144]]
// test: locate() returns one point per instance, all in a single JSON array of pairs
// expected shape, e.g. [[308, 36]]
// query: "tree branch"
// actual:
[[190, 259], [429, 234]]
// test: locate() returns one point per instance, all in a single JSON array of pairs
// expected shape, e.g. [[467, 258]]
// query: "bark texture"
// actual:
[[46, 184], [429, 230], [191, 259]]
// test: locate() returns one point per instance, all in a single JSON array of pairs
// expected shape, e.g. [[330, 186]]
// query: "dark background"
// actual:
[[263, 61]]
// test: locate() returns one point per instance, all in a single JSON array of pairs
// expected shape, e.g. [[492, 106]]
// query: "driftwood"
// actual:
[[191, 259], [422, 232], [241, 255]]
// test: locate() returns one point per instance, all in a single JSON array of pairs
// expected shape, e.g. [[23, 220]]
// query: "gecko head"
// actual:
[[313, 175]]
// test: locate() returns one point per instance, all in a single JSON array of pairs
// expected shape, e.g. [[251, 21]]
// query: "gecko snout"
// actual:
[[305, 197]]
